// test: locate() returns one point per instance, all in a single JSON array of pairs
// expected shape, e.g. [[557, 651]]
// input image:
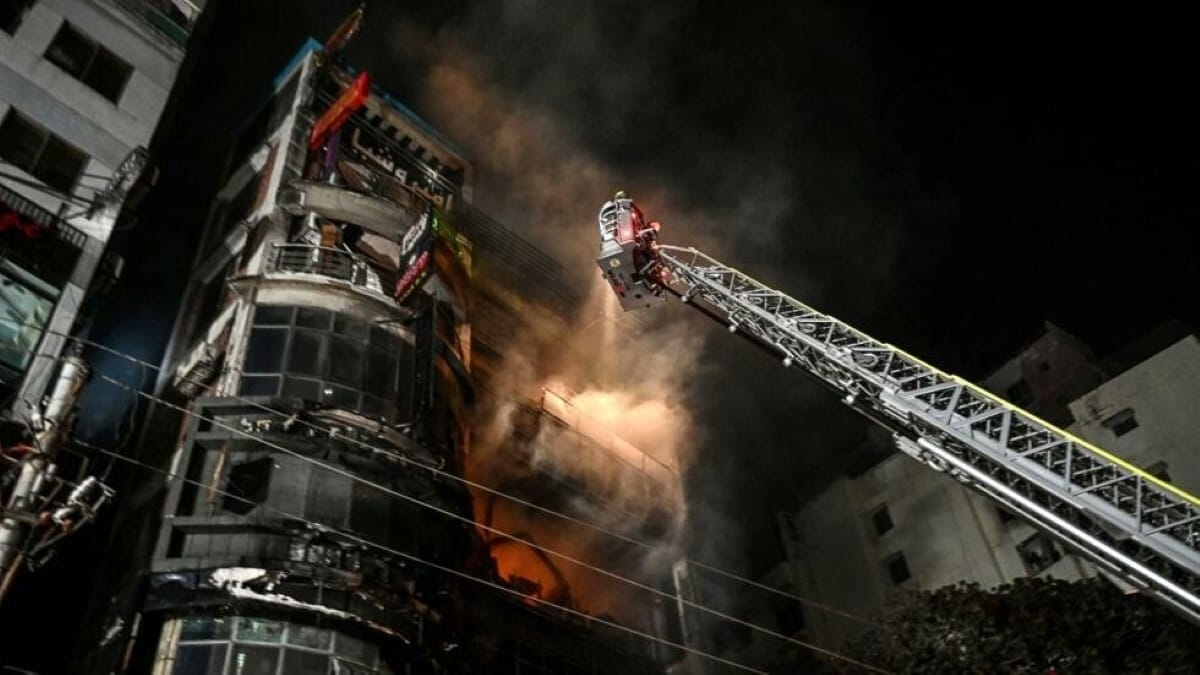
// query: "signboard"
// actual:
[[416, 256], [340, 110], [378, 149]]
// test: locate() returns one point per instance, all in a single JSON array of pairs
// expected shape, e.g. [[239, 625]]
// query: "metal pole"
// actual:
[[19, 519]]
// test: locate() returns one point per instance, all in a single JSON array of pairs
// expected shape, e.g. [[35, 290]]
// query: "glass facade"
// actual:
[[249, 646], [336, 359]]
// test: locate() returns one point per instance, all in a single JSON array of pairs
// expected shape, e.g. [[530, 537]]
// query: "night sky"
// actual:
[[944, 180]]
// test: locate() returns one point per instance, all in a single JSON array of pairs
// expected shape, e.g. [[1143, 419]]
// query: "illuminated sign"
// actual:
[[416, 255], [340, 110]]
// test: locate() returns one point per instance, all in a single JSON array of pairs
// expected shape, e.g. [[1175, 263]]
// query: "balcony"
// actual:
[[332, 263], [171, 19]]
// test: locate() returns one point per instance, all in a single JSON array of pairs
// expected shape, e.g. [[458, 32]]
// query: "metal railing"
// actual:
[[332, 263], [166, 18]]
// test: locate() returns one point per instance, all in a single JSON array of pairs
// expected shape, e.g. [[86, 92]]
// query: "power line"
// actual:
[[441, 568], [492, 491], [469, 521]]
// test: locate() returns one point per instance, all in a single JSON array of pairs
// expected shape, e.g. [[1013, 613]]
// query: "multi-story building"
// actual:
[[900, 526], [318, 397], [1146, 414], [83, 84]]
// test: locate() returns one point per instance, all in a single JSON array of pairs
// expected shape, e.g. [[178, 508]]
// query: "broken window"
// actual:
[[248, 485]]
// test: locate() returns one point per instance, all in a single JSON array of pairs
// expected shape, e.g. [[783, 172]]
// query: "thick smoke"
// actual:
[[754, 154]]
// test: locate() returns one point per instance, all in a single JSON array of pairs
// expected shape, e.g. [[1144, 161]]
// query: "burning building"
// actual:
[[340, 372]]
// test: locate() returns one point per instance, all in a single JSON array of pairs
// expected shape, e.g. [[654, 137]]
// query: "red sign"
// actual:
[[11, 220], [415, 273], [340, 110]]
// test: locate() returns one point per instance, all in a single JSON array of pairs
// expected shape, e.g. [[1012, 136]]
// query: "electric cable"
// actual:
[[42, 187], [470, 521], [439, 567], [498, 493]]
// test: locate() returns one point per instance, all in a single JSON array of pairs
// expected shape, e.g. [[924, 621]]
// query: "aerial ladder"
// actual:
[[1135, 527]]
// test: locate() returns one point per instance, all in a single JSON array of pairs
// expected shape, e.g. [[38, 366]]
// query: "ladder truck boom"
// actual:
[[1134, 526]]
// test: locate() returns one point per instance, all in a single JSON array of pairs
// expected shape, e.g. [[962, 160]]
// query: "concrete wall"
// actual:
[[106, 131], [1162, 392], [945, 532]]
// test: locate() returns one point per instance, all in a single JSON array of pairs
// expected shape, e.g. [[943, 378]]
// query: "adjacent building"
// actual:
[[83, 84], [899, 525]]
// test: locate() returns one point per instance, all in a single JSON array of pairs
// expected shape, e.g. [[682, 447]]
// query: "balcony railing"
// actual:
[[171, 20], [332, 263]]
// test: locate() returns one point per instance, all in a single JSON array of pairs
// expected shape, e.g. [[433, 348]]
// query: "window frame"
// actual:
[[1121, 422], [331, 328], [39, 290], [84, 76], [20, 9], [1031, 545], [47, 137]]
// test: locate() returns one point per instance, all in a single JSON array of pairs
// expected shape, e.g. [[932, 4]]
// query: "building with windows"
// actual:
[[317, 401], [83, 84], [1145, 414], [899, 525]]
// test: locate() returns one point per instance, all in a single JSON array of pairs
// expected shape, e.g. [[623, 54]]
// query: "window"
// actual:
[[331, 358], [36, 151], [85, 60], [882, 520], [248, 485], [1005, 515], [265, 647], [897, 568], [25, 308], [1037, 553], [11, 14], [1121, 423], [1160, 470], [200, 660], [1019, 393]]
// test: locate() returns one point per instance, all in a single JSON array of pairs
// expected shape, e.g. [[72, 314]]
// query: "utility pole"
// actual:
[[28, 521]]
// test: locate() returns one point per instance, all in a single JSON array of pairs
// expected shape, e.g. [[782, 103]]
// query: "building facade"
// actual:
[[901, 526], [1145, 414], [316, 405], [83, 84]]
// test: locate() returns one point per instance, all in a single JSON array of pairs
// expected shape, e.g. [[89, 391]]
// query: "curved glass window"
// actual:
[[336, 359], [268, 647]]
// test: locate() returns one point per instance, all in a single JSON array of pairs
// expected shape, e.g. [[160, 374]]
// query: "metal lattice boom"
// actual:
[[1135, 526]]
